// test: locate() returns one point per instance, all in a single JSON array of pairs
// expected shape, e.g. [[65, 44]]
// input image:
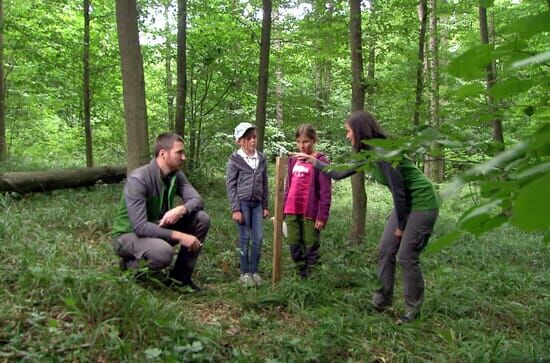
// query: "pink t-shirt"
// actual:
[[297, 200]]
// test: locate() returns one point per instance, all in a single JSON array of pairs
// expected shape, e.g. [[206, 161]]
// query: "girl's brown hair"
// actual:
[[308, 130]]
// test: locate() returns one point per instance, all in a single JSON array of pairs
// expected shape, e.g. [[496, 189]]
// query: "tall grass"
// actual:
[[64, 299]]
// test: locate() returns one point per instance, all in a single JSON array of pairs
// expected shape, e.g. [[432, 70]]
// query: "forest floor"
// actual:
[[63, 297]]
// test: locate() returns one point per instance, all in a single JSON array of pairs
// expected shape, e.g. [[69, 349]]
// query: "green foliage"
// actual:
[[472, 64], [512, 183], [43, 70]]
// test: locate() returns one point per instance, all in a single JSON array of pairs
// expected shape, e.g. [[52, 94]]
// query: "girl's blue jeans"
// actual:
[[252, 224]]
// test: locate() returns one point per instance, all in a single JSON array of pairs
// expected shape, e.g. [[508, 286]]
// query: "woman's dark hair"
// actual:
[[308, 130], [365, 127]]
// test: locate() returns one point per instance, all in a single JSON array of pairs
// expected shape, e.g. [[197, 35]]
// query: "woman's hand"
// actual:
[[304, 157], [398, 233]]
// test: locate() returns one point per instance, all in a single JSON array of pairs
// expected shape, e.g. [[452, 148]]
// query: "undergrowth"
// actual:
[[64, 298]]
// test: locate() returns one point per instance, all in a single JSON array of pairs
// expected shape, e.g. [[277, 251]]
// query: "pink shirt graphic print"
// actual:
[[298, 192]]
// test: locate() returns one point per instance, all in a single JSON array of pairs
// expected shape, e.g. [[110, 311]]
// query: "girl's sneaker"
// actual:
[[257, 278], [247, 280]]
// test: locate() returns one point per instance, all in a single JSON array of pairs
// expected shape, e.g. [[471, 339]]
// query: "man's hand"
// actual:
[[266, 213], [237, 216], [172, 216], [187, 240]]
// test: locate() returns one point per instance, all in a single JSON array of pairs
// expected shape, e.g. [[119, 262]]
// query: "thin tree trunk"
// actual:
[[278, 77], [86, 86], [181, 93], [491, 79], [279, 95], [434, 164], [359, 203], [3, 144], [422, 17], [133, 83], [168, 67], [358, 79], [263, 74], [371, 61]]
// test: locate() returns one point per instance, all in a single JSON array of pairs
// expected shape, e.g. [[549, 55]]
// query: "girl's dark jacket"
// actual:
[[246, 184]]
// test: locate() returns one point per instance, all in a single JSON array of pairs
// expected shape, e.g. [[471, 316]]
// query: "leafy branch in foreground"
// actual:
[[513, 186], [514, 183]]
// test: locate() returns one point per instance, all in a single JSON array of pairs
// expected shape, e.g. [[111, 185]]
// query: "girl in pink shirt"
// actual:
[[307, 202]]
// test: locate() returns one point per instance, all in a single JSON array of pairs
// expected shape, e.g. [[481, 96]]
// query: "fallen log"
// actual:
[[40, 181]]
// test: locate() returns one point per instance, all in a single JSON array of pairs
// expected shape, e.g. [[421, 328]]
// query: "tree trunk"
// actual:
[[359, 203], [133, 84], [491, 79], [181, 93], [168, 67], [40, 181], [422, 17], [278, 77], [434, 166], [86, 86], [279, 94], [3, 143], [358, 79], [263, 74], [369, 87]]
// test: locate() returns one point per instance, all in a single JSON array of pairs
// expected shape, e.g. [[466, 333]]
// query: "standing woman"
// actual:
[[407, 230]]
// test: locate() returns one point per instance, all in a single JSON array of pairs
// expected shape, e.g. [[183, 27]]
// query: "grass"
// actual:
[[64, 298]]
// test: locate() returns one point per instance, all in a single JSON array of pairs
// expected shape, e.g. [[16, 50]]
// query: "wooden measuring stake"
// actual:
[[280, 170]]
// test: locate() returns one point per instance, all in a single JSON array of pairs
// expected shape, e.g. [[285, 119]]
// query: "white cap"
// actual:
[[241, 129]]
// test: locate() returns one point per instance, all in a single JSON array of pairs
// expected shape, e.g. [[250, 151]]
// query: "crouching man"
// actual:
[[147, 224]]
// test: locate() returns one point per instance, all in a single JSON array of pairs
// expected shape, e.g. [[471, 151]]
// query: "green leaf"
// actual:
[[530, 172], [471, 64], [497, 188], [547, 238], [484, 170], [528, 26], [450, 144], [540, 141], [539, 58], [469, 90], [69, 301], [512, 46], [428, 133], [482, 218], [510, 87], [531, 209], [440, 243], [153, 353]]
